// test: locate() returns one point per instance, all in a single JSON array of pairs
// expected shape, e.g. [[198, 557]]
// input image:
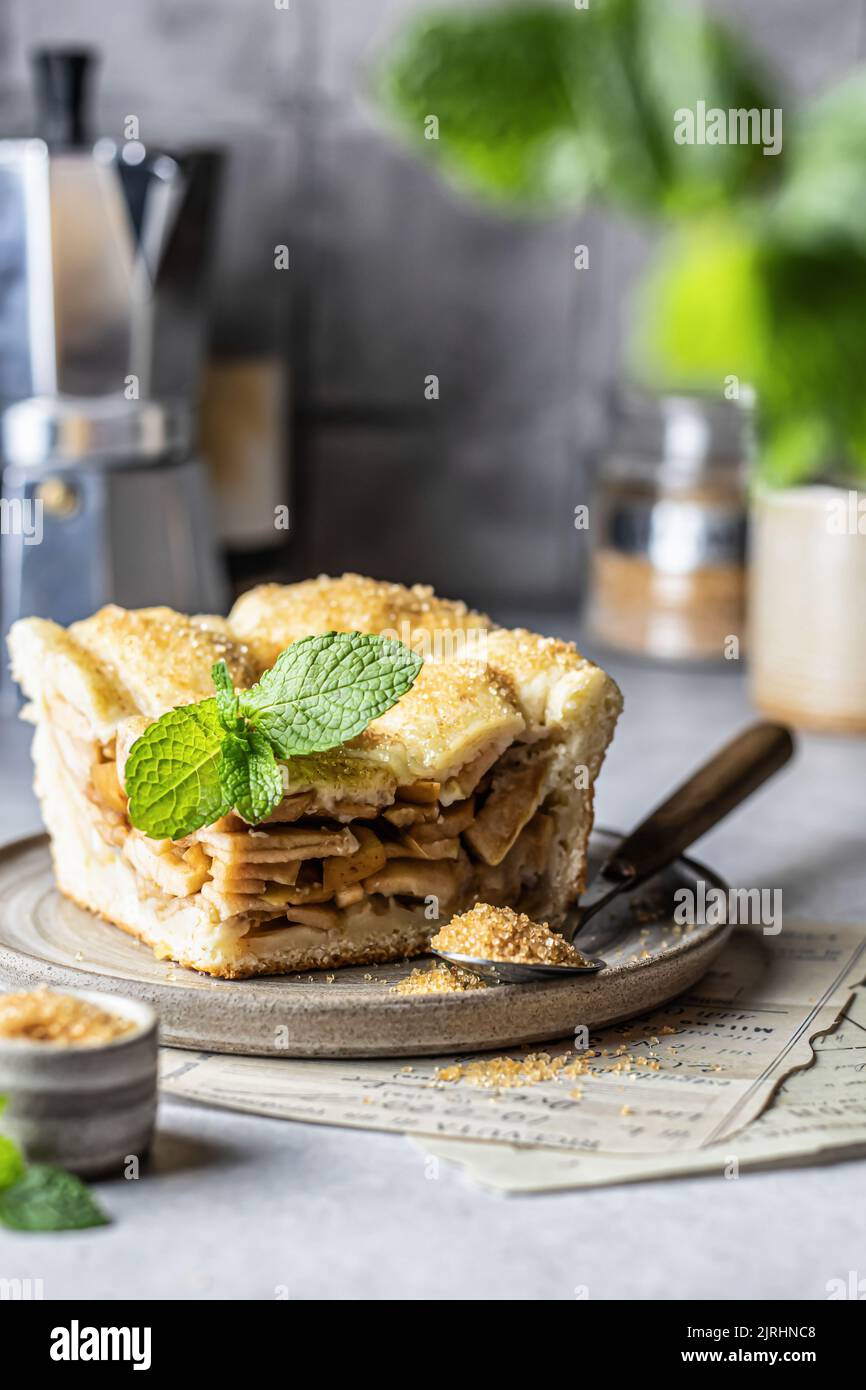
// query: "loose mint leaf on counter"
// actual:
[[324, 690], [249, 774], [173, 773], [47, 1199], [11, 1159]]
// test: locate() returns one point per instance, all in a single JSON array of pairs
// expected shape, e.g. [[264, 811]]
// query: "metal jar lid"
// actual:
[[92, 431], [683, 433]]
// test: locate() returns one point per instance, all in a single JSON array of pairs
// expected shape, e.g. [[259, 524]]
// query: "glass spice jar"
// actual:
[[668, 528]]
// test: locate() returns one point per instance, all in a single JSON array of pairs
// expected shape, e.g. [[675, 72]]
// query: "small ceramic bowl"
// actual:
[[87, 1109]]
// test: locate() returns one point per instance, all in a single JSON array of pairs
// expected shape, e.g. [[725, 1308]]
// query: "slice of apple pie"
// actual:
[[476, 784]]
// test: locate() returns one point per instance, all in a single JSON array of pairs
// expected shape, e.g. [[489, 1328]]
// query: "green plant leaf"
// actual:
[[226, 699], [323, 691], [250, 775], [173, 773], [702, 312], [747, 297], [543, 106], [47, 1199], [494, 82], [793, 451], [11, 1161], [824, 193]]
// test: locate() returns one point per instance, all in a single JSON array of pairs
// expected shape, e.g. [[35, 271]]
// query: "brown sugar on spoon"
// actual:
[[500, 933]]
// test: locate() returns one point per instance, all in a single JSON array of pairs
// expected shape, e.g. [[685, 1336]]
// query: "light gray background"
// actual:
[[393, 277], [236, 1206]]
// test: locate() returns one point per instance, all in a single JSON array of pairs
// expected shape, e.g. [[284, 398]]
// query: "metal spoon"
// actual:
[[729, 777]]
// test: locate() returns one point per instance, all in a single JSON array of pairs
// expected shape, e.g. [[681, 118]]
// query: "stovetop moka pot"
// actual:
[[105, 249]]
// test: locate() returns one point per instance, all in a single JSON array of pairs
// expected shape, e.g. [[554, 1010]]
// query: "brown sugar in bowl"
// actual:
[[80, 1082]]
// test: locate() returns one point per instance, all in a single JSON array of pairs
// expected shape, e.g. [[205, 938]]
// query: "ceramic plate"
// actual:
[[353, 1012]]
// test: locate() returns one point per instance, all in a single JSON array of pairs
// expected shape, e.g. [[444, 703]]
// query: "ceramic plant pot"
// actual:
[[807, 609]]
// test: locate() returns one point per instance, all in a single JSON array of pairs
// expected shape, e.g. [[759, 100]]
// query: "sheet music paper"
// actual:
[[711, 1062], [819, 1114]]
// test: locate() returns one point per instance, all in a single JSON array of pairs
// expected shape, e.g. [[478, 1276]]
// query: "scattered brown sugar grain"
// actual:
[[507, 1072], [41, 1015], [442, 979], [504, 1073], [500, 933]]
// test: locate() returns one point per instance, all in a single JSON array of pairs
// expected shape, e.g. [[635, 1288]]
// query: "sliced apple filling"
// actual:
[[481, 833], [351, 833], [106, 786], [178, 872], [306, 868], [515, 796], [349, 870], [407, 847], [420, 879]]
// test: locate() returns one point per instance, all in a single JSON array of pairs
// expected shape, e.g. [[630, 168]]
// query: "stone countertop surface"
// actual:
[[243, 1207]]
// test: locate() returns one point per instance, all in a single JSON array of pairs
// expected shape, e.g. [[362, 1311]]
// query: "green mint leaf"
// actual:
[[226, 699], [323, 691], [47, 1199], [199, 761], [250, 777], [172, 773], [11, 1161]]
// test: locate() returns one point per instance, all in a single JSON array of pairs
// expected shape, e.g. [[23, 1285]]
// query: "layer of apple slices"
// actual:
[[483, 833]]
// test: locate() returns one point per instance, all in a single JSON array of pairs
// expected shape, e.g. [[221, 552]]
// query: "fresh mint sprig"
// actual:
[[49, 1199], [198, 762], [173, 773], [226, 699], [322, 691], [249, 774]]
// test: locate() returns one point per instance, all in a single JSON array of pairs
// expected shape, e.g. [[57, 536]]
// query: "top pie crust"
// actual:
[[272, 616], [121, 668]]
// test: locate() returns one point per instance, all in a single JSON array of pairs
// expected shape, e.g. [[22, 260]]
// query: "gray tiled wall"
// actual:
[[393, 277]]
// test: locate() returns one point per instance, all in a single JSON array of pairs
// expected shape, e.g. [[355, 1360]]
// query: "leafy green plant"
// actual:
[[775, 293], [542, 107], [762, 273]]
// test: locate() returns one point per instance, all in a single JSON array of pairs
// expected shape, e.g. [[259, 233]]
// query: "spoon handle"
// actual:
[[695, 807]]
